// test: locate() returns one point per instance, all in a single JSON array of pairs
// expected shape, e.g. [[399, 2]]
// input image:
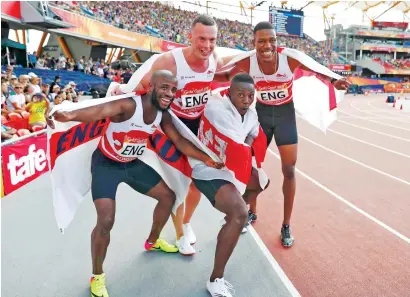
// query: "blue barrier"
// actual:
[[84, 81]]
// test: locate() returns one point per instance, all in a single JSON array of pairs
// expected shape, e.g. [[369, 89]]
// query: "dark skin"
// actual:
[[265, 43], [227, 199], [203, 41], [163, 83]]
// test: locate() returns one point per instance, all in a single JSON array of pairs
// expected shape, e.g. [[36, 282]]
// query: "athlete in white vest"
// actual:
[[273, 76], [219, 186], [116, 160], [194, 68]]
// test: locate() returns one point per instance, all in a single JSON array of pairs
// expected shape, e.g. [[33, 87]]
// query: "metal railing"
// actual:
[[11, 141]]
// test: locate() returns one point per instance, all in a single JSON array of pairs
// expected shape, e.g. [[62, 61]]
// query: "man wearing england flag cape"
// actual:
[[286, 80], [71, 145], [194, 66], [131, 122], [230, 129]]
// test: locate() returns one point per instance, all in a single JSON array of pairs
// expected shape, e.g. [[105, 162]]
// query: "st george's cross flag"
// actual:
[[70, 147]]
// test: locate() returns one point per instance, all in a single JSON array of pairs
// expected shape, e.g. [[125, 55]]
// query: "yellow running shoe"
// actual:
[[97, 284], [161, 245]]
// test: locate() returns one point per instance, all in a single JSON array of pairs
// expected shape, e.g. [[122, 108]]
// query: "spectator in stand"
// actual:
[[37, 109], [126, 75], [32, 59], [117, 77], [7, 133], [12, 82], [81, 64], [41, 64], [24, 80], [29, 91], [55, 91], [55, 82], [63, 95], [58, 100], [17, 102], [100, 70], [45, 89], [62, 62], [4, 96], [73, 89], [35, 82]]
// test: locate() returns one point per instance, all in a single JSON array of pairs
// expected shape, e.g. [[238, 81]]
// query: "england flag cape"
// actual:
[[70, 145], [223, 131], [315, 99]]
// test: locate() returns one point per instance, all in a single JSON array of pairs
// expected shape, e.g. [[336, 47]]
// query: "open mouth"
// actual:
[[244, 110], [165, 101], [267, 54], [205, 52]]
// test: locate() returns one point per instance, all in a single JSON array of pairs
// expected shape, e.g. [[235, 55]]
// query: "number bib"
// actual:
[[195, 101], [272, 95], [133, 149]]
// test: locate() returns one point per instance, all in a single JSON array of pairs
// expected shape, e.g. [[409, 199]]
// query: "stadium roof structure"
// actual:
[[403, 6], [364, 6]]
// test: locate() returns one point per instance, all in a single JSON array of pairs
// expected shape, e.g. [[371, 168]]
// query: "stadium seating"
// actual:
[[84, 81]]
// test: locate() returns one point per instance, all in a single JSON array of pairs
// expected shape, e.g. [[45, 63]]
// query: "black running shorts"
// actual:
[[192, 125], [107, 174], [278, 121], [210, 187]]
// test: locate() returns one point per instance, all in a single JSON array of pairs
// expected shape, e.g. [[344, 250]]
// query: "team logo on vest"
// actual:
[[195, 95], [131, 144]]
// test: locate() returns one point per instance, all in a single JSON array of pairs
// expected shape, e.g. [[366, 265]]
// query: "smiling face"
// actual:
[[242, 95], [203, 40], [265, 44], [163, 91]]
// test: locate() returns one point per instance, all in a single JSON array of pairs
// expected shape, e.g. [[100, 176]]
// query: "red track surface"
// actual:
[[339, 251]]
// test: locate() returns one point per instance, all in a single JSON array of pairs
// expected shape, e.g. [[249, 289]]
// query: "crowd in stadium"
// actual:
[[167, 22], [25, 99], [88, 66], [388, 61]]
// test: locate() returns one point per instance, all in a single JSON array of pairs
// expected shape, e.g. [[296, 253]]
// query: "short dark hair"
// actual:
[[204, 20], [262, 26], [242, 78]]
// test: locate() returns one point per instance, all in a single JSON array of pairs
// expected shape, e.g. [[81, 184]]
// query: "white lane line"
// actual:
[[398, 113], [373, 121], [357, 162], [370, 118], [275, 265], [374, 131], [399, 119], [369, 143], [351, 205]]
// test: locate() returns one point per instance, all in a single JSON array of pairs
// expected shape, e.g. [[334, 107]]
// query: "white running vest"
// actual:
[[194, 89], [274, 89], [126, 141]]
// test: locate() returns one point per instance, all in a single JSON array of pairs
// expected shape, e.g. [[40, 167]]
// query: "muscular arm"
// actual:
[[340, 84], [240, 67], [182, 144], [124, 108], [167, 62], [293, 64], [249, 140]]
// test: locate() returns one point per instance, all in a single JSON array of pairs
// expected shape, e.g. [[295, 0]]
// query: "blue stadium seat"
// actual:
[[84, 81]]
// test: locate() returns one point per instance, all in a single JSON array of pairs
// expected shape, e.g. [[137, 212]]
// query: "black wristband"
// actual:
[[333, 80]]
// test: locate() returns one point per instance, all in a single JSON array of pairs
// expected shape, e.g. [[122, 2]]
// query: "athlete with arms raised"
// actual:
[[272, 72], [116, 161], [194, 67]]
